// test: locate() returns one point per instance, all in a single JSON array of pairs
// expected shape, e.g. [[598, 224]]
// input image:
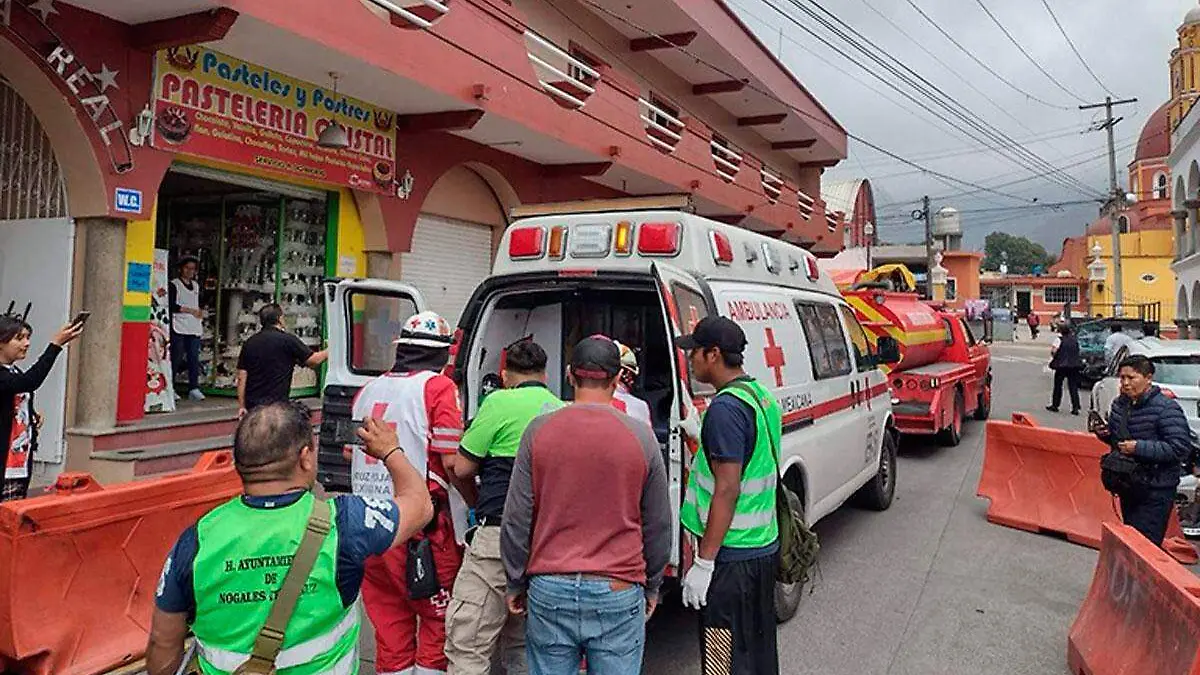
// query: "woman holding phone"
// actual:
[[19, 422]]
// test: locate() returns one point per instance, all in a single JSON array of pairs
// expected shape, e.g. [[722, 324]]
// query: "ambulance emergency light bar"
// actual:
[[595, 240]]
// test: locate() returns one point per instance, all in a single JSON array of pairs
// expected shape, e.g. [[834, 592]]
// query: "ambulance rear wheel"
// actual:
[[952, 435], [787, 596]]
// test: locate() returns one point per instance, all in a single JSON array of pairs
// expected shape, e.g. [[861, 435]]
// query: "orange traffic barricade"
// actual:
[[79, 566], [1042, 479], [1141, 615]]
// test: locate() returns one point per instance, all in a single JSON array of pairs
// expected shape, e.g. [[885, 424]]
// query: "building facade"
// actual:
[[142, 133]]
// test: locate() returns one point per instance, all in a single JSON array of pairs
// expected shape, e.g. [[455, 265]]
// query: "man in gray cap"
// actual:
[[588, 563]]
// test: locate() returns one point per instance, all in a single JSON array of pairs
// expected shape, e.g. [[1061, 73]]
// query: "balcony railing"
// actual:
[[771, 184], [831, 221], [806, 205], [727, 162], [421, 13], [569, 80], [664, 129]]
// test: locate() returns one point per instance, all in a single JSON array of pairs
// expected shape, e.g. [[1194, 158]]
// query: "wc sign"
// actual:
[[129, 200]]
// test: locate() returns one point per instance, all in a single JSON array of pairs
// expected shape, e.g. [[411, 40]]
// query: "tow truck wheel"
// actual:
[[984, 409], [877, 494], [787, 596], [952, 435]]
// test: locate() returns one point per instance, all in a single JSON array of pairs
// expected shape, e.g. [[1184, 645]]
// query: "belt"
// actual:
[[489, 521]]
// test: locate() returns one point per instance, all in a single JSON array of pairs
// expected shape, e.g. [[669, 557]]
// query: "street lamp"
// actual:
[[869, 233]]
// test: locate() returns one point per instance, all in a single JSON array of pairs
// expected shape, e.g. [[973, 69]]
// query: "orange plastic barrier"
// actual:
[[1041, 479], [79, 567], [1024, 419], [1141, 615]]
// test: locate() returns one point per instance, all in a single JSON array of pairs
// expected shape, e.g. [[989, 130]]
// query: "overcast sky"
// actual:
[[1133, 64]]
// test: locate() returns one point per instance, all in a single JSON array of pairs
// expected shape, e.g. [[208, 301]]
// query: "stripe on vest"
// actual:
[[748, 487], [228, 661], [741, 521]]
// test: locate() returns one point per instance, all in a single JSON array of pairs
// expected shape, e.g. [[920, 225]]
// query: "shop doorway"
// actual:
[[1024, 303], [255, 242]]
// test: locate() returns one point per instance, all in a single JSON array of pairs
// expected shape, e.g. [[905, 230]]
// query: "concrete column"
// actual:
[[1182, 326], [1193, 220], [380, 265], [103, 282], [1179, 218]]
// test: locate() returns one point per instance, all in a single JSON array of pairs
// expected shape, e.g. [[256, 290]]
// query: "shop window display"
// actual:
[[253, 248]]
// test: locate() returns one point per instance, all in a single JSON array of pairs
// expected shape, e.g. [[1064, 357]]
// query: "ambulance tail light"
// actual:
[[814, 272], [527, 243], [558, 242], [722, 250], [658, 239], [623, 238]]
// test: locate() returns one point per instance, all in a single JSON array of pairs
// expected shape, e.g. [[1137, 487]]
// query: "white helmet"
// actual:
[[427, 329], [628, 358]]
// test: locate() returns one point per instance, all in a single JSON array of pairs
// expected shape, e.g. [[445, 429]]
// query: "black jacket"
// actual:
[[21, 382], [1067, 355], [1157, 423]]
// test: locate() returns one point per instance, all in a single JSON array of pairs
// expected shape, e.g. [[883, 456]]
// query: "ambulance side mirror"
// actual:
[[888, 350]]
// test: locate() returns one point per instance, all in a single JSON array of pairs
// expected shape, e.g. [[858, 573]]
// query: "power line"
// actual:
[[1023, 51], [1021, 156], [980, 63], [774, 97], [1074, 49]]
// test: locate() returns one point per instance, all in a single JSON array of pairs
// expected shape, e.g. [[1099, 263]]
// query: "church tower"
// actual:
[[1185, 68]]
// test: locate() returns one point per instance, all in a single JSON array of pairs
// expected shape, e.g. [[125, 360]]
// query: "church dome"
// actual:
[[1155, 141], [1193, 16]]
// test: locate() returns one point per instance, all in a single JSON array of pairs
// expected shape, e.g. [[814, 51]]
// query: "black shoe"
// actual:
[[1075, 412], [1051, 408]]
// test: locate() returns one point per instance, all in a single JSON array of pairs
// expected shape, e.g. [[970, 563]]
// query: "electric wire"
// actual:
[[1026, 54], [1018, 155], [980, 63], [1074, 49]]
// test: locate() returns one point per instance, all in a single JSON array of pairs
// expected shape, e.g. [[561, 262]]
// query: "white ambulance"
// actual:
[[644, 278]]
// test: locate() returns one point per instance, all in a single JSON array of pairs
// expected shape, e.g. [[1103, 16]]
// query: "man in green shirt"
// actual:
[[478, 616]]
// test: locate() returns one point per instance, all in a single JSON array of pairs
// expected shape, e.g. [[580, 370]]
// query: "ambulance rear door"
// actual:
[[362, 318], [685, 301]]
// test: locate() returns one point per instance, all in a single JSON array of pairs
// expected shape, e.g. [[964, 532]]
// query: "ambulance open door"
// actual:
[[362, 319], [685, 301]]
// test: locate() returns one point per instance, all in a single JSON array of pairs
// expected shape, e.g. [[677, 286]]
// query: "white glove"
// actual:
[[696, 583], [690, 424]]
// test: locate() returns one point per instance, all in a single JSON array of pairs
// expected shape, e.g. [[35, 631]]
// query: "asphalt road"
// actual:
[[929, 586]]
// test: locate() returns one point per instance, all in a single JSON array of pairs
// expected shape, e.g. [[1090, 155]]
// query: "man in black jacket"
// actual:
[[1151, 428], [1067, 365]]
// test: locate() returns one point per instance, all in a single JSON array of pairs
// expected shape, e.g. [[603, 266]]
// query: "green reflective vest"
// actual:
[[754, 522], [243, 557]]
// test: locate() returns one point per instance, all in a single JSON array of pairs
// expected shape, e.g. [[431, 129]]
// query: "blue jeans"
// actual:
[[186, 348], [574, 616]]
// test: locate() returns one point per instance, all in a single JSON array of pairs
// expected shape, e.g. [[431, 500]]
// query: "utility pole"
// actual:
[[924, 214], [1116, 196]]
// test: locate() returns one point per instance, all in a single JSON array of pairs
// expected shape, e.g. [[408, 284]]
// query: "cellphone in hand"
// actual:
[[81, 318]]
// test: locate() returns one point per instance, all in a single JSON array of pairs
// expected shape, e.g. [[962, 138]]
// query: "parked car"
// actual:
[[1092, 336]]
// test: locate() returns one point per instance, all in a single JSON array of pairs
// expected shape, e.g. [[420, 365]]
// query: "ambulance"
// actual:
[[645, 274]]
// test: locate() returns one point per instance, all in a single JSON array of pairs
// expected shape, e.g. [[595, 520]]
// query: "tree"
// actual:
[[1023, 254]]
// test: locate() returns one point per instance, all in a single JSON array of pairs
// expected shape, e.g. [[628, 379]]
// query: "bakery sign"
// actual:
[[211, 105]]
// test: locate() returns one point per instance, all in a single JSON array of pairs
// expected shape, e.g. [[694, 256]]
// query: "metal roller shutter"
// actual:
[[449, 258]]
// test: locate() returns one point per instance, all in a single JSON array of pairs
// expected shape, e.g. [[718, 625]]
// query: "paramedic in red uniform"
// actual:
[[422, 405], [623, 398]]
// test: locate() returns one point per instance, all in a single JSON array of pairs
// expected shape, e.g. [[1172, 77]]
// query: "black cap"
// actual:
[[715, 331], [596, 358]]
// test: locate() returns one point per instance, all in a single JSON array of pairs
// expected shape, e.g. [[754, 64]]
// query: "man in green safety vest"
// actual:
[[224, 572], [730, 507]]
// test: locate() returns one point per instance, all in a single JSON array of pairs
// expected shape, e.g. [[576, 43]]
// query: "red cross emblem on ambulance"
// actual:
[[774, 356]]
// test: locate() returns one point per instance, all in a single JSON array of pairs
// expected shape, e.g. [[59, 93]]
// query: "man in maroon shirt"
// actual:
[[588, 561]]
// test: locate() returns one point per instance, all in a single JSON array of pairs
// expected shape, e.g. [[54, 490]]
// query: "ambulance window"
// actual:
[[375, 322], [858, 338], [948, 338], [691, 307], [826, 341]]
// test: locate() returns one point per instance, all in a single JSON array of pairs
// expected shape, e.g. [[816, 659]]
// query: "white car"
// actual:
[[1176, 372]]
